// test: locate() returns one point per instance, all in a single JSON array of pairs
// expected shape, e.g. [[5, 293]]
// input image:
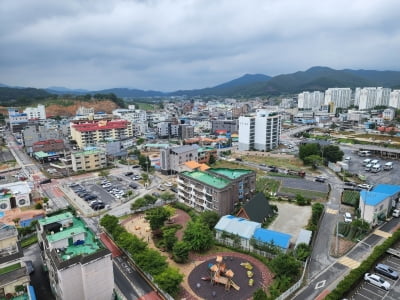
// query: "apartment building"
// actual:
[[36, 113], [261, 132], [173, 158], [79, 265], [186, 131], [338, 97], [88, 160], [217, 190], [394, 100], [310, 100], [388, 114], [14, 194], [167, 129], [369, 97], [33, 133], [17, 121], [91, 132], [14, 277], [204, 154]]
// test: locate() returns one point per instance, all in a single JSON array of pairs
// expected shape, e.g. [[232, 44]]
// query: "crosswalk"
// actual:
[[348, 262], [331, 211], [382, 233]]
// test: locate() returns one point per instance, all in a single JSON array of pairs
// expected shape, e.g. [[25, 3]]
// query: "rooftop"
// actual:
[[372, 198], [273, 237], [7, 231], [51, 141], [208, 179], [231, 173], [55, 218], [18, 187], [101, 125], [239, 226], [185, 148], [88, 152], [387, 189]]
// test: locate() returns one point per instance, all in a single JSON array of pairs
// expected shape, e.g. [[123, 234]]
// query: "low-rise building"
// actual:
[[14, 194], [14, 277], [217, 190], [49, 146], [88, 160], [205, 153], [79, 265]]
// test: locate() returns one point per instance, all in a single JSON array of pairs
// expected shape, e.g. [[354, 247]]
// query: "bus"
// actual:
[[364, 153]]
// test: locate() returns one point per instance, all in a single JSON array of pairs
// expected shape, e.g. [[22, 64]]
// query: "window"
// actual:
[[3, 205], [21, 201]]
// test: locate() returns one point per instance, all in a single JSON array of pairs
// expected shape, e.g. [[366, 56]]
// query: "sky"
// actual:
[[167, 45]]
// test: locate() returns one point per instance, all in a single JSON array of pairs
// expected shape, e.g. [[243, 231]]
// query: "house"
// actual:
[[376, 205], [14, 194], [245, 234], [257, 209]]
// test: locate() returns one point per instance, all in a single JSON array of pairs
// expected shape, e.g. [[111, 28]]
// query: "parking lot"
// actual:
[[383, 177], [368, 291]]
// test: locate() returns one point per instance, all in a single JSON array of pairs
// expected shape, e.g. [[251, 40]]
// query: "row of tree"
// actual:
[[315, 154]]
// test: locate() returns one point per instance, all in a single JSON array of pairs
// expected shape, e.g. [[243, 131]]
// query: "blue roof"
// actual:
[[269, 236], [242, 227], [372, 198], [387, 189]]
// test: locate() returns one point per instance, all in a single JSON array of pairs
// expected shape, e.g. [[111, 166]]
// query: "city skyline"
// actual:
[[171, 45]]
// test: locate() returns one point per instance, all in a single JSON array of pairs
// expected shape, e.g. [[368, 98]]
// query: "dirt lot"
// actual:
[[291, 219]]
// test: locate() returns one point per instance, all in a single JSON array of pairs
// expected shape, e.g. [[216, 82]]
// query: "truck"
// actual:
[[296, 173]]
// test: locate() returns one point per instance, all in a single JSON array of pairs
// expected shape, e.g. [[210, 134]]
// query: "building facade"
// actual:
[[310, 100], [49, 146], [14, 194], [79, 265], [226, 125], [394, 99], [37, 113], [92, 132], [261, 132], [173, 158], [339, 97], [186, 131], [217, 190], [88, 160]]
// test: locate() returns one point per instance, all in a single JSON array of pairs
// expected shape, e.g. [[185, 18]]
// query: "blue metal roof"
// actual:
[[269, 236], [239, 226], [373, 198], [387, 189]]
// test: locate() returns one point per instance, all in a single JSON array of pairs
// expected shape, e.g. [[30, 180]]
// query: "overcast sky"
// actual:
[[168, 45]]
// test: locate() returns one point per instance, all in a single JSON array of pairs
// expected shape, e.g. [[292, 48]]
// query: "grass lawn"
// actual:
[[267, 185], [146, 105], [234, 165], [350, 198], [304, 193], [29, 241]]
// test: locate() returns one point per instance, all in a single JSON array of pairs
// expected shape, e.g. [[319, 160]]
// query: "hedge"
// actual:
[[351, 280]]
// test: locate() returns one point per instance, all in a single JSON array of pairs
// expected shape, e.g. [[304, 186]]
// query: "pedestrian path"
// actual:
[[383, 234], [348, 262]]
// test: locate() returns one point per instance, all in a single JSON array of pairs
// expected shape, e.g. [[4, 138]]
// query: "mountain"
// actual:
[[130, 93], [21, 96], [63, 91], [380, 78]]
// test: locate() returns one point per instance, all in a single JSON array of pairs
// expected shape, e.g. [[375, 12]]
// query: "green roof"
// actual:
[[208, 179], [41, 154], [203, 149], [230, 173], [88, 152], [55, 218], [87, 246]]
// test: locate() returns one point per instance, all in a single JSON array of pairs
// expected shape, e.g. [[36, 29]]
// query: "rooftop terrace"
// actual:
[[230, 173], [208, 179], [55, 218]]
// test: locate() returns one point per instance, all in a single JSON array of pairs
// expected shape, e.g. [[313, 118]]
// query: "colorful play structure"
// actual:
[[219, 274]]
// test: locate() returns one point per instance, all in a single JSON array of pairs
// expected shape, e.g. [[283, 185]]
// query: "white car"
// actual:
[[365, 186], [377, 281], [347, 217], [168, 184]]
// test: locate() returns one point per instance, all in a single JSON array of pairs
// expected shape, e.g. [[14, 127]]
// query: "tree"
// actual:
[[109, 222], [302, 251], [169, 238], [212, 159], [156, 217], [308, 149], [167, 196], [104, 173], [139, 141], [151, 261], [313, 160], [131, 243], [332, 153], [169, 280], [199, 236], [285, 265], [180, 252], [260, 295], [210, 218]]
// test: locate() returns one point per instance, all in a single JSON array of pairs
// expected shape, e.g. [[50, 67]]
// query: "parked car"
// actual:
[[29, 267], [161, 187], [377, 281], [135, 166], [128, 173], [174, 189], [73, 185], [90, 197], [347, 217], [386, 271], [350, 183], [98, 206], [320, 179], [365, 186], [168, 184], [95, 202], [106, 185], [48, 180], [134, 186], [2, 177]]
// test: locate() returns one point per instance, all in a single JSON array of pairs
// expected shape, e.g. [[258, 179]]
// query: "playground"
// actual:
[[228, 277]]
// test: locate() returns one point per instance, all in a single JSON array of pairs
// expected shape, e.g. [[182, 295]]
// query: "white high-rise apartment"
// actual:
[[260, 132], [367, 98], [382, 96], [38, 112], [310, 100], [340, 97], [394, 100]]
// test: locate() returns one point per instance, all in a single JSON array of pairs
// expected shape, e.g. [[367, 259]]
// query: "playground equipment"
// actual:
[[220, 274]]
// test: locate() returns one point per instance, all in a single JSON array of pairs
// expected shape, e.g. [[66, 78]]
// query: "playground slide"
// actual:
[[235, 286]]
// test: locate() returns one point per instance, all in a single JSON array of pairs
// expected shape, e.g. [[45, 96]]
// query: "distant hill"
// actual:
[[21, 96], [64, 91], [130, 93]]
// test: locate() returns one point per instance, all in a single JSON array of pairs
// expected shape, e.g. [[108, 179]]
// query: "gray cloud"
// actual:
[[171, 44]]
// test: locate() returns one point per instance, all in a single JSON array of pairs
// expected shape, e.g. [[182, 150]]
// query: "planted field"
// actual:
[[304, 193], [267, 185], [287, 162], [351, 198]]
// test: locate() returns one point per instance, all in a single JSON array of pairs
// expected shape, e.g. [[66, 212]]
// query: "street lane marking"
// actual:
[[348, 262], [320, 284], [332, 211], [382, 233]]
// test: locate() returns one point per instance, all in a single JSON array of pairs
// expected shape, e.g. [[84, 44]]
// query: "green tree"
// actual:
[[259, 294], [285, 265], [333, 153], [156, 217], [169, 238], [131, 243], [199, 236], [151, 261], [140, 141], [302, 251], [169, 280], [167, 196], [104, 173], [109, 222], [212, 159], [180, 252], [313, 160], [210, 218], [309, 149]]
